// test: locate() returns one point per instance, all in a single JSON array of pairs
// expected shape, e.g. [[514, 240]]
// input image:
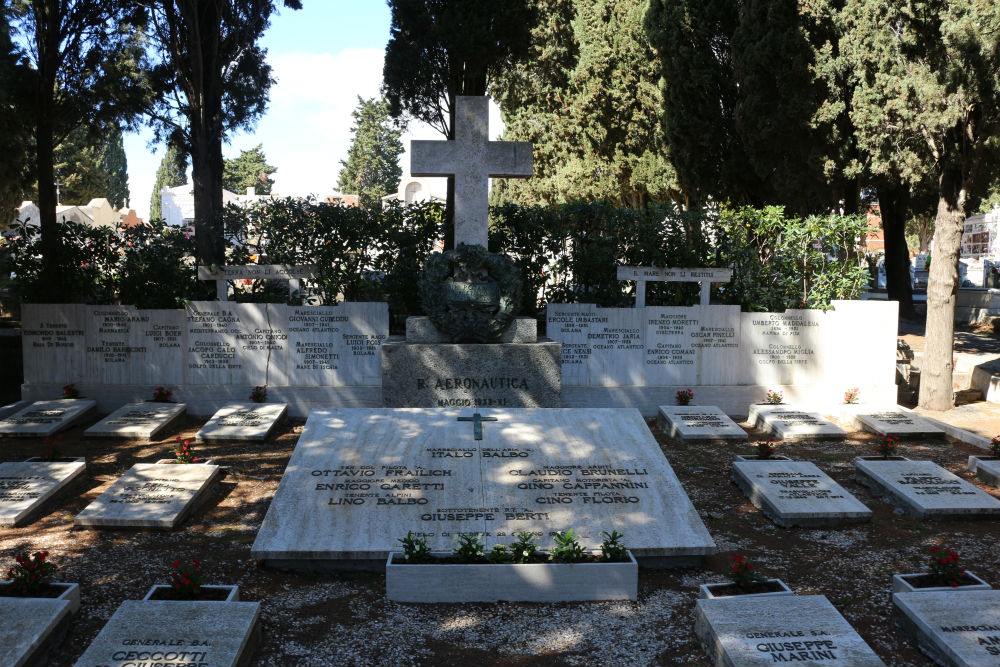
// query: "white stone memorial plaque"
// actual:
[[137, 421], [797, 493], [243, 421], [761, 631], [27, 625], [924, 488], [787, 422], [45, 418], [150, 495], [336, 345], [692, 346], [955, 628], [147, 633], [212, 348], [162, 335], [898, 423], [360, 479], [698, 422], [27, 485], [53, 341], [781, 348], [116, 352]]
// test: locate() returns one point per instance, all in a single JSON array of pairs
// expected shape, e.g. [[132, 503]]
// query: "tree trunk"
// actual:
[[47, 35], [893, 203], [936, 388], [206, 176]]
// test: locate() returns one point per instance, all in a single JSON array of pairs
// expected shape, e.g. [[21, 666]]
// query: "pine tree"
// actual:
[[372, 169], [171, 173], [249, 170]]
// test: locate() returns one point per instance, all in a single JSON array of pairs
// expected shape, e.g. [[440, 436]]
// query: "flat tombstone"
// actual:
[[45, 418], [698, 423], [749, 631], [26, 486], [150, 495], [360, 479], [987, 469], [243, 421], [797, 493], [790, 423], [26, 626], [139, 421], [955, 628], [895, 422], [207, 634], [924, 488]]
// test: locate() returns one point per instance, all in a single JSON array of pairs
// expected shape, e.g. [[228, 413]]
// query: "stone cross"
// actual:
[[477, 424], [472, 159], [642, 274]]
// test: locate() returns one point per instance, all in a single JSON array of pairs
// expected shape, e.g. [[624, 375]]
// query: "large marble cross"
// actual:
[[472, 159]]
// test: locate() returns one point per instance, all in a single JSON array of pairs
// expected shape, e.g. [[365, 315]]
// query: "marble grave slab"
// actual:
[[797, 493], [360, 479], [924, 489], [138, 421], [787, 422], [207, 634], [986, 469], [898, 423], [27, 485], [150, 495], [698, 422], [45, 418], [749, 631], [243, 421], [27, 625], [955, 628]]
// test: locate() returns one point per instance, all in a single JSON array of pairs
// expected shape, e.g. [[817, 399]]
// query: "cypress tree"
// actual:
[[372, 169], [171, 173], [249, 170]]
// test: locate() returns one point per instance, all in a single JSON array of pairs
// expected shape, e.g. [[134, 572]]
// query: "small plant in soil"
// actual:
[[162, 395], [183, 452], [995, 447], [946, 568], [499, 555], [30, 573], [415, 549], [259, 394], [765, 448], [70, 391], [567, 549], [523, 547], [743, 573], [186, 580], [52, 446], [774, 397], [684, 397], [887, 445], [851, 396], [469, 547], [612, 549]]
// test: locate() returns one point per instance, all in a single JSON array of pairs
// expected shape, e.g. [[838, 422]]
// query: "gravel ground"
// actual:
[[344, 619]]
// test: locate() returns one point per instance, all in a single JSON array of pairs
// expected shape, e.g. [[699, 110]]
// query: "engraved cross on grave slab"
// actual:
[[472, 159], [477, 424]]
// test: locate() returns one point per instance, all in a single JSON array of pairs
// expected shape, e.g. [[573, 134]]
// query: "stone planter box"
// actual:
[[206, 462], [232, 595], [901, 583], [529, 582], [987, 468], [754, 457], [71, 592], [712, 591]]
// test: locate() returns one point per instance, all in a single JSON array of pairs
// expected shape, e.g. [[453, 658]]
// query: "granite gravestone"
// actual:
[[28, 626], [150, 495], [26, 486], [137, 421], [955, 628], [898, 423], [185, 633], [759, 631], [45, 418], [787, 422], [698, 423], [360, 479], [986, 468], [243, 421], [924, 489], [797, 493]]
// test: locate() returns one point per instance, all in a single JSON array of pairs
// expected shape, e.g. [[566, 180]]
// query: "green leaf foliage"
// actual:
[[248, 170], [92, 165], [372, 169]]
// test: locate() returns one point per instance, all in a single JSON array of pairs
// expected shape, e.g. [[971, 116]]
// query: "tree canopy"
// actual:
[[91, 165], [248, 170], [372, 169]]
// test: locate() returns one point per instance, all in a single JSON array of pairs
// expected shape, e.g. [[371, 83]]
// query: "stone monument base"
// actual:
[[422, 330], [450, 375]]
